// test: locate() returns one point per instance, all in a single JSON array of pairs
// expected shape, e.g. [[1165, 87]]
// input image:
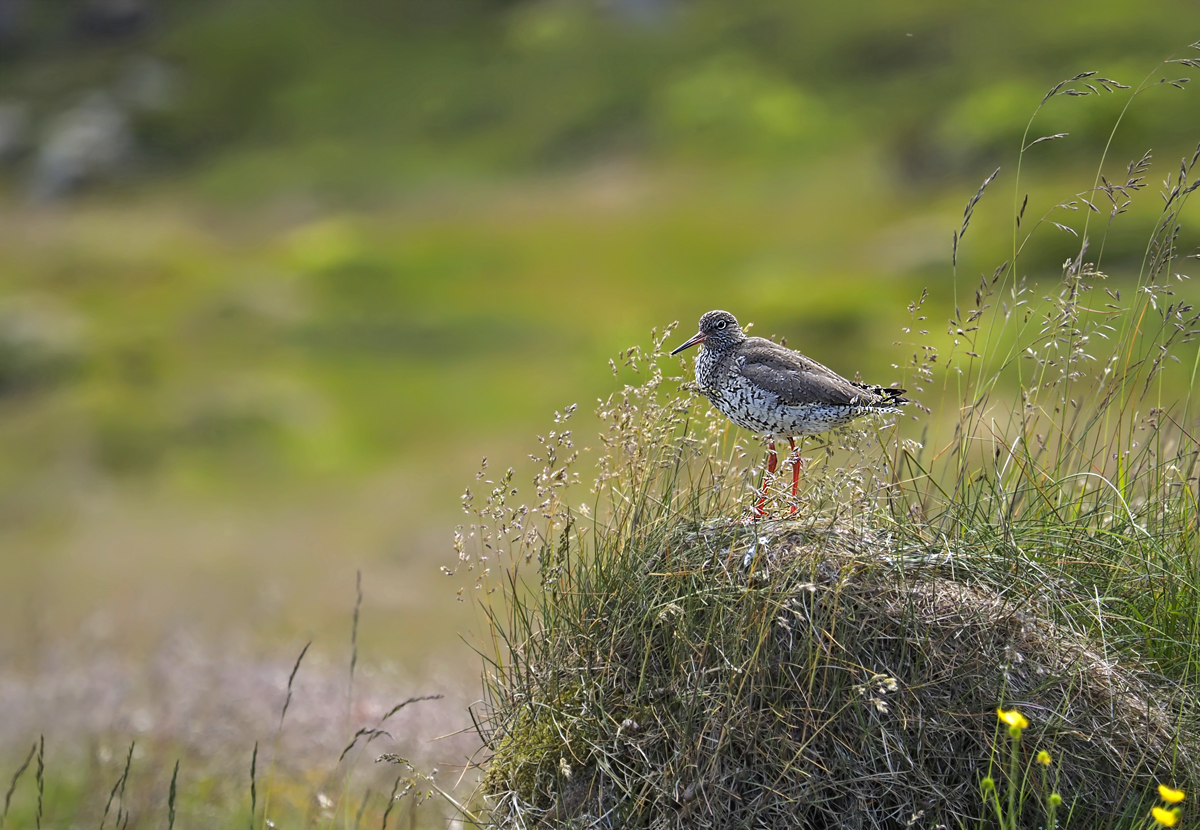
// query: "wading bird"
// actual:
[[771, 390]]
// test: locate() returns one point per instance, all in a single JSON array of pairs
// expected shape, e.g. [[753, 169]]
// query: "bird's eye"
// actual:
[[722, 324]]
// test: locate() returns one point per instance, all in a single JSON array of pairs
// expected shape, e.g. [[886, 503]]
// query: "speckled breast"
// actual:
[[752, 408]]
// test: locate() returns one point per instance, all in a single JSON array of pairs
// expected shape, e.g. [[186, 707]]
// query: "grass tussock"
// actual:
[[657, 661], [820, 685]]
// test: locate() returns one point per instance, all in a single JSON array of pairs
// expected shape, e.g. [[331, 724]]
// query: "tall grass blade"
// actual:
[[171, 798], [12, 785]]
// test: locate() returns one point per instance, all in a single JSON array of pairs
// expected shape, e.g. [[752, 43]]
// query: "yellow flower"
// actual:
[[1169, 795], [1165, 817], [1013, 718], [1043, 758]]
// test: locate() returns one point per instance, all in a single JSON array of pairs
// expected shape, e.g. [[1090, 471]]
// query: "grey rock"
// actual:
[[90, 142]]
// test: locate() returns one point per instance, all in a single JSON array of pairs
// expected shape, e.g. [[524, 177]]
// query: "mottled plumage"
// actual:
[[772, 390]]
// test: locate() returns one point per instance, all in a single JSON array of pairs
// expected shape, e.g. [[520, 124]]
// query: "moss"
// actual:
[[543, 747]]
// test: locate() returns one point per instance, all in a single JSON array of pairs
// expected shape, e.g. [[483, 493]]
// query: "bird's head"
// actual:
[[718, 329]]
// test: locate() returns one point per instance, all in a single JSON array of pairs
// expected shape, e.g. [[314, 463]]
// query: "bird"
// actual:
[[774, 391]]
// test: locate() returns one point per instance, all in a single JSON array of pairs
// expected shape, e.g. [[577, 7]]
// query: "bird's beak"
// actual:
[[697, 338]]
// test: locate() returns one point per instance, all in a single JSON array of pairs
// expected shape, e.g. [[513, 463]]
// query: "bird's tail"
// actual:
[[886, 399]]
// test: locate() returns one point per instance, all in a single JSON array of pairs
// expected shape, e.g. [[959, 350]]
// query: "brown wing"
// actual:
[[796, 379]]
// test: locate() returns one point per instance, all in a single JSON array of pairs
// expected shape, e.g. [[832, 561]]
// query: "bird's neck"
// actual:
[[706, 367]]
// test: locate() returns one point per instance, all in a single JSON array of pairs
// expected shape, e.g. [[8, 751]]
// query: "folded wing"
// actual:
[[796, 379]]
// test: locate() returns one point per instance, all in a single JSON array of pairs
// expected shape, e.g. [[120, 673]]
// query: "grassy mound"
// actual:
[[781, 677]]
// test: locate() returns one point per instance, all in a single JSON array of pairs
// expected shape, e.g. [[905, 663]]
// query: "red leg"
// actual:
[[796, 464], [760, 508]]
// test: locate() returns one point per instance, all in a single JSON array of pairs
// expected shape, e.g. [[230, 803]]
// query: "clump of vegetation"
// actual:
[[658, 660]]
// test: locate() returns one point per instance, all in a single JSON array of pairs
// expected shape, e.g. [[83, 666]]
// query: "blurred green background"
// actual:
[[275, 274]]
